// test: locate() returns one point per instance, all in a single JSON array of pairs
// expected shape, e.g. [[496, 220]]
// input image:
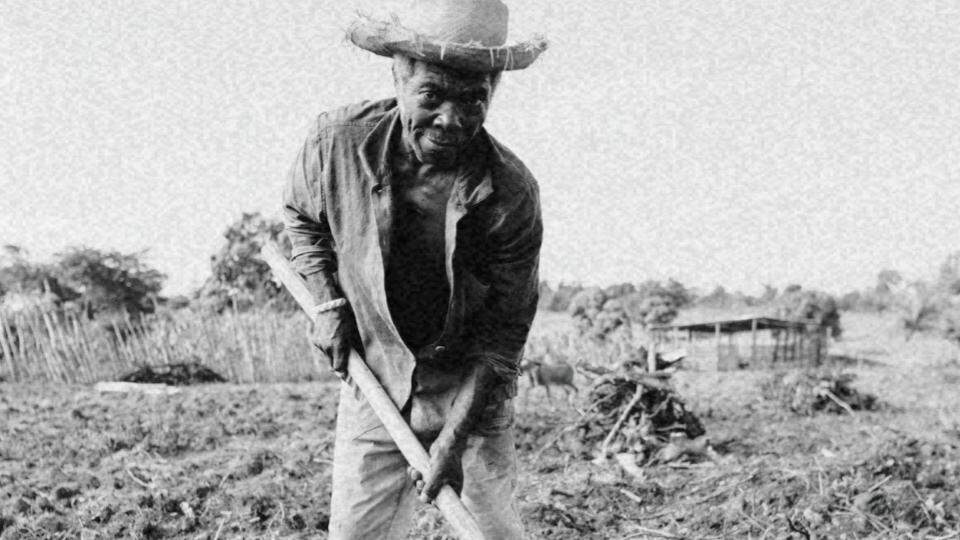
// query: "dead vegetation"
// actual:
[[257, 346], [639, 414], [697, 455], [254, 462], [812, 391], [766, 472], [179, 374]]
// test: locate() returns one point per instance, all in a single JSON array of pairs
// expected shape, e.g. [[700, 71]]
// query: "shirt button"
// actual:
[[439, 349]]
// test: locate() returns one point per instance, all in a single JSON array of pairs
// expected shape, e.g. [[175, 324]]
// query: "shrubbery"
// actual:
[[599, 312], [92, 281], [812, 306], [239, 278], [920, 306]]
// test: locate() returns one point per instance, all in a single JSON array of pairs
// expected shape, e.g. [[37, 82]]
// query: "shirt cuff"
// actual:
[[506, 371]]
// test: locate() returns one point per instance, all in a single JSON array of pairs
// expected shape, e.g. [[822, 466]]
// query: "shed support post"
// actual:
[[652, 357], [753, 344], [719, 345], [805, 349]]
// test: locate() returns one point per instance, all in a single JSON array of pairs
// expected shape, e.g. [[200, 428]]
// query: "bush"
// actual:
[[22, 279], [808, 392], [650, 309], [557, 300], [811, 306], [950, 325], [599, 312], [110, 281], [239, 278]]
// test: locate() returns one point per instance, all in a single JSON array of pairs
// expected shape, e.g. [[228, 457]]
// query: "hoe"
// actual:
[[447, 500]]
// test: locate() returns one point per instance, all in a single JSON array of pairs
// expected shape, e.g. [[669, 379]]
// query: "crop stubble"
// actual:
[[233, 461]]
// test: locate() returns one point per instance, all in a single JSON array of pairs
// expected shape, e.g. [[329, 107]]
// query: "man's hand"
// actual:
[[445, 468], [335, 334], [447, 449]]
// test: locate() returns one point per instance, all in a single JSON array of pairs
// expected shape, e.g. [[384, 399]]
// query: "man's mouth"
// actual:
[[442, 141]]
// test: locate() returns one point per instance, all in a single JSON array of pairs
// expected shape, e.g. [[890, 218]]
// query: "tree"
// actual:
[[545, 294], [563, 296], [619, 290], [599, 312], [888, 292], [678, 295], [651, 309], [25, 282], [717, 298], [811, 306], [950, 325], [585, 308], [920, 307], [949, 279], [239, 277], [851, 301], [888, 280], [587, 302], [109, 281], [769, 295]]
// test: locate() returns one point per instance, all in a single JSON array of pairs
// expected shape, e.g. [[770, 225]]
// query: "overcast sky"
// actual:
[[727, 142]]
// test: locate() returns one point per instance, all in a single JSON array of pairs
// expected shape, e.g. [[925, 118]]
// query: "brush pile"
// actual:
[[174, 375], [809, 392], [640, 414]]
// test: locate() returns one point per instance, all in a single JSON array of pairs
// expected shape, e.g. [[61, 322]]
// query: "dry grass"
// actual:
[[259, 346], [878, 338]]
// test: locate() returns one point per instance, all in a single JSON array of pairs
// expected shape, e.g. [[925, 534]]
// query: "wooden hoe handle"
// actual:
[[447, 500]]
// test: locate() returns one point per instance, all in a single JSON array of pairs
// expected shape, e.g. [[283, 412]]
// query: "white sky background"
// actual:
[[726, 142]]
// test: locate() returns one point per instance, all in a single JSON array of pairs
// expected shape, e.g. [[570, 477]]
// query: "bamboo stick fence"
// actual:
[[39, 345]]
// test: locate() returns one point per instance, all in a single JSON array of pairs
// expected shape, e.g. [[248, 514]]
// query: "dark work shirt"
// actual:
[[338, 210], [416, 278]]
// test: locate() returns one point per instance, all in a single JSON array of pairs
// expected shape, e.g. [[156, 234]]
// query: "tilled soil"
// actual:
[[253, 461]]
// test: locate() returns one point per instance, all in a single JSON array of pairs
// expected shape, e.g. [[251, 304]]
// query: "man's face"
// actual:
[[442, 110]]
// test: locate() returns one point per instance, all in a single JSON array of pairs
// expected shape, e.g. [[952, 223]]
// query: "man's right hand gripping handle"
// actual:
[[334, 331], [335, 334]]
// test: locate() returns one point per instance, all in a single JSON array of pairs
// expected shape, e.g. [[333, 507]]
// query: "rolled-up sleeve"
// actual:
[[512, 262], [303, 216]]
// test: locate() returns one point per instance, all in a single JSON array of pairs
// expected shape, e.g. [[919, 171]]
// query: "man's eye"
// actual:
[[476, 102], [430, 96]]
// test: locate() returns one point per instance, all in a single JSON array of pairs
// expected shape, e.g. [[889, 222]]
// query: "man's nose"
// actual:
[[449, 117]]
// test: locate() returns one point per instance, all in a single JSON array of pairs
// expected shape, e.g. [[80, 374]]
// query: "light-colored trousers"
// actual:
[[373, 496]]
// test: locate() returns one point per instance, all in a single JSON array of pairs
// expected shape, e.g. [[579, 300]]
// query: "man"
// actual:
[[419, 236]]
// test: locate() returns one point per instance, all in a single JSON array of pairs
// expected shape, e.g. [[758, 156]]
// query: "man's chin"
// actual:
[[437, 154]]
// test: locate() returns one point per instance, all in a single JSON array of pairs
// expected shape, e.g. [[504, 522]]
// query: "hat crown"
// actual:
[[458, 21]]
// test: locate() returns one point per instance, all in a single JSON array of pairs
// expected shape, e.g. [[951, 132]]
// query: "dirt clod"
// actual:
[[66, 492]]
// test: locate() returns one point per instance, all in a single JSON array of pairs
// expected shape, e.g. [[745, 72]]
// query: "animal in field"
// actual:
[[541, 372]]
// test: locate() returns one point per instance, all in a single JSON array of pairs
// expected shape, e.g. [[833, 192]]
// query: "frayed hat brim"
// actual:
[[387, 38]]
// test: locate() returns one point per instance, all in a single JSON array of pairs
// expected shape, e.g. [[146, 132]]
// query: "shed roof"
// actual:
[[740, 324]]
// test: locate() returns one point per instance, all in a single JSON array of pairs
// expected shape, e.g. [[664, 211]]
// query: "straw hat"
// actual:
[[464, 34]]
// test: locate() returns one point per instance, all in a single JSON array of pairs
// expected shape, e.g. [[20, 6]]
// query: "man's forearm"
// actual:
[[473, 397], [323, 286]]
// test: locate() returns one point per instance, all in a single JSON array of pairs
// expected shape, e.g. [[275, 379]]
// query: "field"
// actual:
[[253, 460]]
